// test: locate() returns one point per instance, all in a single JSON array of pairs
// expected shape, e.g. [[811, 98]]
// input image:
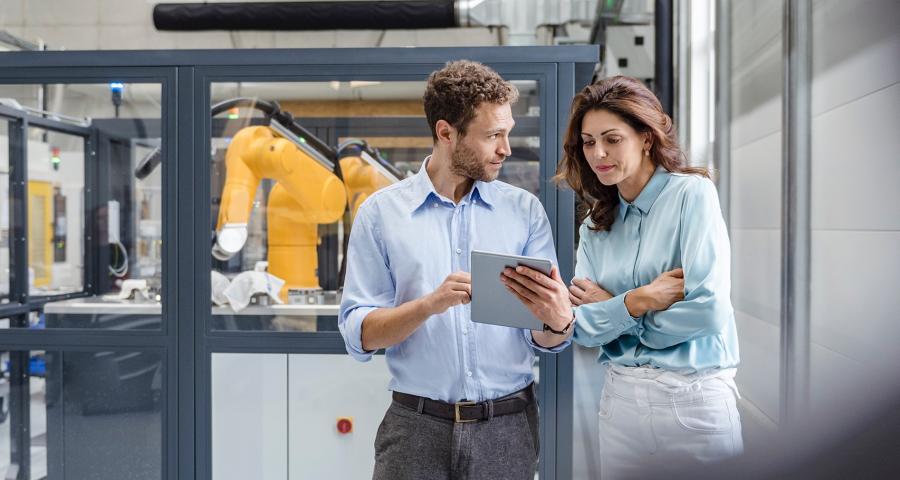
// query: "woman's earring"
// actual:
[[646, 153]]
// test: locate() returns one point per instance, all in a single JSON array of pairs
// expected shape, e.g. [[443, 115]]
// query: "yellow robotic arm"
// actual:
[[306, 194], [309, 189], [363, 173]]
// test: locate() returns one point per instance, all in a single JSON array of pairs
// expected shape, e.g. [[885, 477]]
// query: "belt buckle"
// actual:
[[456, 410]]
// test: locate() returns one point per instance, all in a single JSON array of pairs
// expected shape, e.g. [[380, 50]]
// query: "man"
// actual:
[[464, 403]]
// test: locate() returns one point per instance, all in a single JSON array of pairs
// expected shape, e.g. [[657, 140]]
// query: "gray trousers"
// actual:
[[412, 445]]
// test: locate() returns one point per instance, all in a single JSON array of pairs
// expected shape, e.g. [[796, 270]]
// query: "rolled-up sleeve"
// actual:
[[368, 284], [530, 339]]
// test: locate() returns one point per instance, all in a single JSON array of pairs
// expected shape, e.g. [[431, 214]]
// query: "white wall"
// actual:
[[855, 216], [756, 198]]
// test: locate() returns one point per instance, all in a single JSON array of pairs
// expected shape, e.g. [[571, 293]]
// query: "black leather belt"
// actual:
[[465, 412]]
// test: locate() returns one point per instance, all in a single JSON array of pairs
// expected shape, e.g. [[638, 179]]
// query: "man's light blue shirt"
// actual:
[[406, 239], [674, 222]]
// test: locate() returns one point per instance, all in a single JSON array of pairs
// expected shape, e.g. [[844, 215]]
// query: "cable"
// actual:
[[122, 270]]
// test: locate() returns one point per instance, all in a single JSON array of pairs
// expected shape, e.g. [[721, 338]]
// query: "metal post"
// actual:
[[795, 220], [91, 238], [681, 109], [19, 391], [18, 213], [722, 146], [20, 409], [663, 46], [186, 120]]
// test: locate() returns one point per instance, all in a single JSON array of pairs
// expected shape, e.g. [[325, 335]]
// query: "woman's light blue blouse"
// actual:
[[674, 222]]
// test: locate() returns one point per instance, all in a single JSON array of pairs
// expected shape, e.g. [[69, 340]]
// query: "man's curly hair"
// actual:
[[454, 92]]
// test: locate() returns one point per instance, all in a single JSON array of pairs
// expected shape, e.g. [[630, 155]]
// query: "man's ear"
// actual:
[[446, 134]]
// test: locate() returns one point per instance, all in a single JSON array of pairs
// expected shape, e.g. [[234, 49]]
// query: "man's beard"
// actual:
[[464, 162]]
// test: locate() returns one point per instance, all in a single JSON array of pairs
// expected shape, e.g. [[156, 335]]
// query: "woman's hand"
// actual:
[[660, 294], [546, 297], [584, 290]]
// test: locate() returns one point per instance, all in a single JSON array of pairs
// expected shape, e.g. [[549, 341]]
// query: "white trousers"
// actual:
[[654, 421]]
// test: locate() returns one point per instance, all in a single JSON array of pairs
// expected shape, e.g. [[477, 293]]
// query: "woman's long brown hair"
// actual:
[[636, 105]]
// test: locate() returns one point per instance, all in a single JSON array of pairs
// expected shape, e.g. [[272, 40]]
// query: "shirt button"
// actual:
[[465, 331], [458, 251], [469, 373], [434, 205]]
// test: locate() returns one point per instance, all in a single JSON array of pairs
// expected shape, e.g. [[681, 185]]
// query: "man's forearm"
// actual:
[[385, 327]]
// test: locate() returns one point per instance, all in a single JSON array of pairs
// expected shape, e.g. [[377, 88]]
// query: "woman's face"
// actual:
[[613, 149]]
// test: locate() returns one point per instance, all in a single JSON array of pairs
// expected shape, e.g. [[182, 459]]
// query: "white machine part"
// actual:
[[118, 268], [133, 289], [629, 51], [291, 405], [229, 240], [112, 222]]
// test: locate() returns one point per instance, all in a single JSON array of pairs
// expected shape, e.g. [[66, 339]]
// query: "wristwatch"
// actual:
[[564, 331]]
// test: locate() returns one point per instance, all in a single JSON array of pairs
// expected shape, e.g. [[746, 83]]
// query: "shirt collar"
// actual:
[[423, 190], [485, 191], [648, 195]]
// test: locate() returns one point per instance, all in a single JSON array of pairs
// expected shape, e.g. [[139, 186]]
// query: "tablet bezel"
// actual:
[[492, 303]]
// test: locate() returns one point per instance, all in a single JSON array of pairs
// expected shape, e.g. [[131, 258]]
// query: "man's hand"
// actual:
[[584, 290], [385, 327], [660, 294], [546, 297], [455, 290]]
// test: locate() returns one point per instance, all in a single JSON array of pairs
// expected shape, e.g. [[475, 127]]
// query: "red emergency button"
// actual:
[[345, 425]]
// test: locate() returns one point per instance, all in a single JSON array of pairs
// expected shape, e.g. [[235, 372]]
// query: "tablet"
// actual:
[[491, 302]]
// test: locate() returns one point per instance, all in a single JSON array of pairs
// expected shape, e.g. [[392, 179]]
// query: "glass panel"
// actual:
[[267, 219], [94, 216], [756, 132], [91, 415], [292, 405], [56, 181], [5, 260]]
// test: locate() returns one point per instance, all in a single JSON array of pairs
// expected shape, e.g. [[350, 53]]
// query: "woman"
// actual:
[[652, 286]]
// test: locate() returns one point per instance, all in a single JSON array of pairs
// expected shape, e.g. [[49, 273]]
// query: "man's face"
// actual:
[[480, 153]]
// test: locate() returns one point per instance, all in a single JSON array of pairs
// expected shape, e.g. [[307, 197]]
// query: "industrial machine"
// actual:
[[315, 184]]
